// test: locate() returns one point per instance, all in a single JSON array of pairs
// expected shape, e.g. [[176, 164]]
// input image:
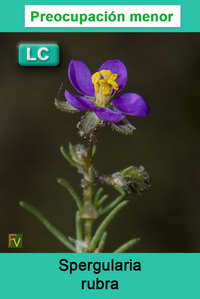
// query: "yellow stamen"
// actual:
[[104, 83], [106, 89], [113, 83], [96, 77], [97, 88], [113, 77], [105, 73], [101, 81]]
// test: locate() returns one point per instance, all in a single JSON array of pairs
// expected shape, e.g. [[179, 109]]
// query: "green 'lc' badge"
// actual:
[[38, 55]]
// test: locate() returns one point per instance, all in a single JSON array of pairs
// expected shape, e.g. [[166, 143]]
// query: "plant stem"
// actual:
[[88, 230], [79, 235], [89, 212]]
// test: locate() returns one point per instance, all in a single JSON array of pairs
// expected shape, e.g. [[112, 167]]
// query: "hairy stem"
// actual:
[[89, 213]]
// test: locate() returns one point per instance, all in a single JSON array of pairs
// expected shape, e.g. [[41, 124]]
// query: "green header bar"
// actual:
[[13, 16]]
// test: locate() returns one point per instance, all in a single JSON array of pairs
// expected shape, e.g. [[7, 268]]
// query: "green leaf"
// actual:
[[98, 195], [102, 242], [73, 153], [71, 190], [126, 246], [67, 156], [123, 127], [60, 236], [91, 174], [112, 205], [102, 227], [101, 200], [94, 149], [65, 106]]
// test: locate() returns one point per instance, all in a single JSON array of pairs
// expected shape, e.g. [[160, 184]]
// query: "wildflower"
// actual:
[[99, 90]]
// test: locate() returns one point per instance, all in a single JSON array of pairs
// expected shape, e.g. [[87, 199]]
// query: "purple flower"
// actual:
[[98, 91]]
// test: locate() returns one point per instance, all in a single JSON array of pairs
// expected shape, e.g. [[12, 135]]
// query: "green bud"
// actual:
[[129, 180]]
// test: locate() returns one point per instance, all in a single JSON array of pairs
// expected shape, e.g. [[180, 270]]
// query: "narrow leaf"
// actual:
[[97, 195], [71, 190], [60, 236], [102, 242], [104, 225], [112, 205], [101, 200], [91, 174], [73, 153], [67, 156], [94, 149], [126, 246]]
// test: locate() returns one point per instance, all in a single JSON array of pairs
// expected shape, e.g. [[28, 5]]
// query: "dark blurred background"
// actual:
[[165, 70]]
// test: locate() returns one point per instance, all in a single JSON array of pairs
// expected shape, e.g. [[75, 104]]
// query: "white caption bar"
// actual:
[[107, 16]]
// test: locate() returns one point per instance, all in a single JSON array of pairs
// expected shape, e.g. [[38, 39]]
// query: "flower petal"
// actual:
[[131, 104], [80, 77], [116, 67], [79, 102], [108, 115]]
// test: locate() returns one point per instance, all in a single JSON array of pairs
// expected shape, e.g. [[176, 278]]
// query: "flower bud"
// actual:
[[129, 180]]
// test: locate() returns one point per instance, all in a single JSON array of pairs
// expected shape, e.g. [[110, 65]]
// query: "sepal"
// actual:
[[88, 123], [123, 127], [65, 106]]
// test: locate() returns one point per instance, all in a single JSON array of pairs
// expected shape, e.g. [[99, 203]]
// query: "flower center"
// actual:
[[104, 84]]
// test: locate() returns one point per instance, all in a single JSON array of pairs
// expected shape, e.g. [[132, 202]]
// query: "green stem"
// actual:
[[88, 230], [79, 232], [60, 236], [90, 150], [89, 214]]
